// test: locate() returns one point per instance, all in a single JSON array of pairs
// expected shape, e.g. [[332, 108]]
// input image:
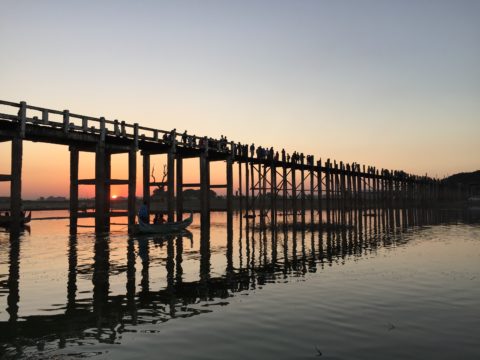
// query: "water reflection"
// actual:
[[256, 256]]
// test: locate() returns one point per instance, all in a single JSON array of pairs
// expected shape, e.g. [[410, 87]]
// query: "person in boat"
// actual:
[[143, 213], [161, 219], [158, 219]]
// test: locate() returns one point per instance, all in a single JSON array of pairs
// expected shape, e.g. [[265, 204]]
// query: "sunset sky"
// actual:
[[394, 84]]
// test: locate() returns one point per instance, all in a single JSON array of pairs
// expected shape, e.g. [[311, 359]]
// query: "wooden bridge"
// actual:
[[267, 181]]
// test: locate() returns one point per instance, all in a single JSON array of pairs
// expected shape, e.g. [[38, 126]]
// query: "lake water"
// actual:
[[392, 285]]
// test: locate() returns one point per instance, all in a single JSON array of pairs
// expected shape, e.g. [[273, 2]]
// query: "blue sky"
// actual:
[[394, 84]]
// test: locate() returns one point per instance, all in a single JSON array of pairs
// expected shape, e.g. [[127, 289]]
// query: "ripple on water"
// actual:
[[388, 292]]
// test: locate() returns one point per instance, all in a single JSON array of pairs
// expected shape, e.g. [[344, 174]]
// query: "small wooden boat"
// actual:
[[165, 228], [6, 221]]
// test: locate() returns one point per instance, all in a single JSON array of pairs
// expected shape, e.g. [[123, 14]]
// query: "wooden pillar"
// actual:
[[320, 190], [252, 186], [146, 179], [240, 189], [302, 193], [390, 190], [294, 192], [205, 188], [343, 186], [179, 187], [312, 191], [108, 175], [100, 188], [327, 189], [247, 192], [336, 187], [170, 185], [349, 186], [354, 186], [132, 185], [284, 189], [273, 193], [262, 188], [73, 189], [16, 183], [229, 186]]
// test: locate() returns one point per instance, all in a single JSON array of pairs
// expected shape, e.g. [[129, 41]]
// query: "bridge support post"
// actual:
[[327, 188], [73, 189], [100, 188], [240, 189], [146, 179], [273, 194], [294, 193], [16, 183], [170, 185], [179, 175], [312, 191], [108, 175], [263, 191], [319, 189], [302, 193], [132, 185], [252, 187], [284, 190], [229, 186], [205, 188], [247, 192]]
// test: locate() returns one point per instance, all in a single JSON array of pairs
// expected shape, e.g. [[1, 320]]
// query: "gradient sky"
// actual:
[[394, 84]]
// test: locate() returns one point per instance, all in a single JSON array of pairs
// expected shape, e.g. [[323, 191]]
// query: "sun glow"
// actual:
[[114, 197]]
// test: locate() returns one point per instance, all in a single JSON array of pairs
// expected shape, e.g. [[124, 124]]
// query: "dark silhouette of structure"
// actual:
[[267, 182]]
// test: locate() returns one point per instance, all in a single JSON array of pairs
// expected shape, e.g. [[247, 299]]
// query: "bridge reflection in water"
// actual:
[[256, 256]]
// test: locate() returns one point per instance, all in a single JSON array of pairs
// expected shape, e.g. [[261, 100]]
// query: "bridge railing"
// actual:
[[72, 122]]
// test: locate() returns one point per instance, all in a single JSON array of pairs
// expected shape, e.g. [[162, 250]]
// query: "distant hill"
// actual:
[[470, 182], [471, 178]]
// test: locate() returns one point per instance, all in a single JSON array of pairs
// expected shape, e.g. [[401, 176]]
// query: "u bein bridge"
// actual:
[[269, 183], [256, 257]]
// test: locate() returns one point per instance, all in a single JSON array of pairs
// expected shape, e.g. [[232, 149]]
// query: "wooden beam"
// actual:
[[132, 185], [190, 185], [118, 182], [5, 177], [219, 186], [107, 181], [87, 181], [158, 183]]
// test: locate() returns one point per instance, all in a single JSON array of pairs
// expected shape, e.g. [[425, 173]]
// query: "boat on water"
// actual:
[[165, 228], [6, 221]]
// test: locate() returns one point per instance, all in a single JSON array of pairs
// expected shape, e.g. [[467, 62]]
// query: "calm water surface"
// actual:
[[397, 285]]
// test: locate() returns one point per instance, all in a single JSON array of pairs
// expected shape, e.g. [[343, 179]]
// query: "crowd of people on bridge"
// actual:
[[239, 150]]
